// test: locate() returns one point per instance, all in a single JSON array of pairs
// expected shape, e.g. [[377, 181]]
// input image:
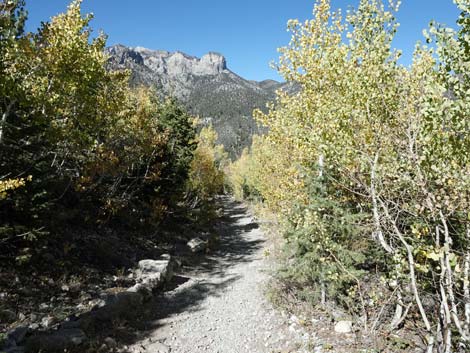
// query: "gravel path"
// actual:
[[218, 304]]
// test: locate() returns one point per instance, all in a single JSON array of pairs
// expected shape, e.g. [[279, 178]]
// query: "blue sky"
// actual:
[[247, 32]]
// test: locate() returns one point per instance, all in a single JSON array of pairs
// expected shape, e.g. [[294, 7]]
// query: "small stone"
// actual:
[[294, 318], [197, 245], [343, 326], [48, 321], [81, 307], [103, 349], [34, 326], [110, 342], [65, 288], [318, 349], [96, 303]]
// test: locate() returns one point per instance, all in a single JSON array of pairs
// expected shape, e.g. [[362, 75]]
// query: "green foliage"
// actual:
[[206, 175], [326, 246], [390, 145], [240, 176], [77, 144], [179, 127]]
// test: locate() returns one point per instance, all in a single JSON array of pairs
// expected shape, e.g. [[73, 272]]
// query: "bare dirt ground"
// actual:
[[217, 304]]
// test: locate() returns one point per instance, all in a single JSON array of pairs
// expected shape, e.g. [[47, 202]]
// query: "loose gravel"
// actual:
[[218, 305]]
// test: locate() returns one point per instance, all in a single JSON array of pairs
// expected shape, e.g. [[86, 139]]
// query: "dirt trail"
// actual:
[[218, 305]]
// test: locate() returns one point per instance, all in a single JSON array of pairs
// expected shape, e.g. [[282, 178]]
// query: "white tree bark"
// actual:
[[5, 115]]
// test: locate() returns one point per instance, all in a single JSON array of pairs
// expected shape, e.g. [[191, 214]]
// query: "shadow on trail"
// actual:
[[204, 275]]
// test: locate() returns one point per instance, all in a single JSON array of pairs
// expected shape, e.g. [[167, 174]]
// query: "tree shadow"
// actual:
[[203, 275]]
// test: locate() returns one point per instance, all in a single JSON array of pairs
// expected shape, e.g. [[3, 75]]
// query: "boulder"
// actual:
[[152, 273], [153, 280], [153, 266], [121, 303]]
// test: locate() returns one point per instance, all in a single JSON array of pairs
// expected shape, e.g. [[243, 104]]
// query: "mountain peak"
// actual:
[[172, 63], [205, 86], [213, 63]]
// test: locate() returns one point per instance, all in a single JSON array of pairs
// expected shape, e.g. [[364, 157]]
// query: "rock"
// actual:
[[205, 86], [103, 349], [152, 280], [48, 321], [343, 326], [110, 342], [197, 245], [211, 64], [122, 304], [74, 287], [153, 266], [96, 303], [140, 288], [81, 307], [152, 273]]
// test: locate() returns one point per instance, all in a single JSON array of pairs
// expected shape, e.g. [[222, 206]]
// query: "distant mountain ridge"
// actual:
[[205, 86]]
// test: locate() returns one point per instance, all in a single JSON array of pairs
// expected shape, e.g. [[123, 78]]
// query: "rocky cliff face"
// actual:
[[204, 85]]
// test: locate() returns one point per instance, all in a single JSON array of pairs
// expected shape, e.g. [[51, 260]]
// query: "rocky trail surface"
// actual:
[[217, 303]]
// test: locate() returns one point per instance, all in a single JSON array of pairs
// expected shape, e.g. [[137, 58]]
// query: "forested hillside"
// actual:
[[368, 171], [205, 86]]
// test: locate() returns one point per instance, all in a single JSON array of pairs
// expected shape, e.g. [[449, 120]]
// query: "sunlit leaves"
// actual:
[[389, 142]]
